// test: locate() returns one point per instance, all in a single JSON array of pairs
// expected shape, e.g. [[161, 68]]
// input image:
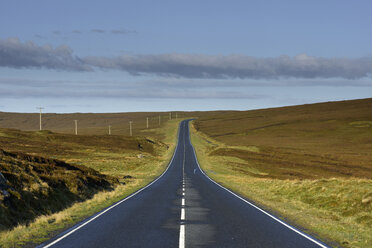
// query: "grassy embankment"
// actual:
[[309, 164], [117, 156]]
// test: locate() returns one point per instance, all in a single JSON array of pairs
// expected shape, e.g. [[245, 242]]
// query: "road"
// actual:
[[183, 208]]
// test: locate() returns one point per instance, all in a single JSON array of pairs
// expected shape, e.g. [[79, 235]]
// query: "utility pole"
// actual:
[[170, 115], [109, 129], [159, 120], [76, 127], [40, 108], [147, 122], [176, 116], [130, 128]]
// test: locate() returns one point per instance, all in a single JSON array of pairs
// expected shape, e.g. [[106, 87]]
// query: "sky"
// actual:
[[126, 56]]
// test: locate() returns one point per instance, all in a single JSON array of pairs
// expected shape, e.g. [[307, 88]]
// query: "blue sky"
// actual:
[[119, 56]]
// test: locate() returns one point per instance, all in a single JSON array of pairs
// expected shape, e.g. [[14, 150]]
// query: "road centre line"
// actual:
[[183, 214]]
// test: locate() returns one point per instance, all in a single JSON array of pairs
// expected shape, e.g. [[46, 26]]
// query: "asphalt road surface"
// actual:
[[183, 208]]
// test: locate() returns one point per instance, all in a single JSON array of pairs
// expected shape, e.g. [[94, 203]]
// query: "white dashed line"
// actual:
[[182, 214], [182, 236], [183, 211]]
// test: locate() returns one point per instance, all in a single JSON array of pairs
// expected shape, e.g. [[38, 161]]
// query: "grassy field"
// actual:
[[133, 161], [309, 164]]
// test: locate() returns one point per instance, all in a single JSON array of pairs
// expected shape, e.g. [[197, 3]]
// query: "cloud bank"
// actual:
[[16, 54], [236, 66]]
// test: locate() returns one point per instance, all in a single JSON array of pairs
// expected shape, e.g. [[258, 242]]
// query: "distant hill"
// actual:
[[309, 164], [88, 123], [305, 141]]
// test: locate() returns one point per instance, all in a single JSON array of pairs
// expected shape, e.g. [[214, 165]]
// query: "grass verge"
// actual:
[[337, 210], [134, 168]]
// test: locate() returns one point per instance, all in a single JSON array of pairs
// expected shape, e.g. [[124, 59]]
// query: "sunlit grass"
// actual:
[[133, 171], [334, 209]]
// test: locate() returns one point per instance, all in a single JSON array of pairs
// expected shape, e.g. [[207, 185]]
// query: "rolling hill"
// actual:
[[309, 164]]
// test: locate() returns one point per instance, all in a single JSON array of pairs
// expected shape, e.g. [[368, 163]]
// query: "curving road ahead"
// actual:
[[183, 208]]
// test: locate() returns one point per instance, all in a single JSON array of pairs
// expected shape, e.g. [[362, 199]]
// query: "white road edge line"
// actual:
[[263, 211], [121, 201]]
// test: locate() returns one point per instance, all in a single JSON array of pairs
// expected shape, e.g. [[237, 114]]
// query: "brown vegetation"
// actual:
[[36, 185], [309, 164], [53, 180], [88, 123], [310, 141]]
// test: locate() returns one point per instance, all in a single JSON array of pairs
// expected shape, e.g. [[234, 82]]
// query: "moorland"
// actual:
[[309, 164], [54, 178]]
